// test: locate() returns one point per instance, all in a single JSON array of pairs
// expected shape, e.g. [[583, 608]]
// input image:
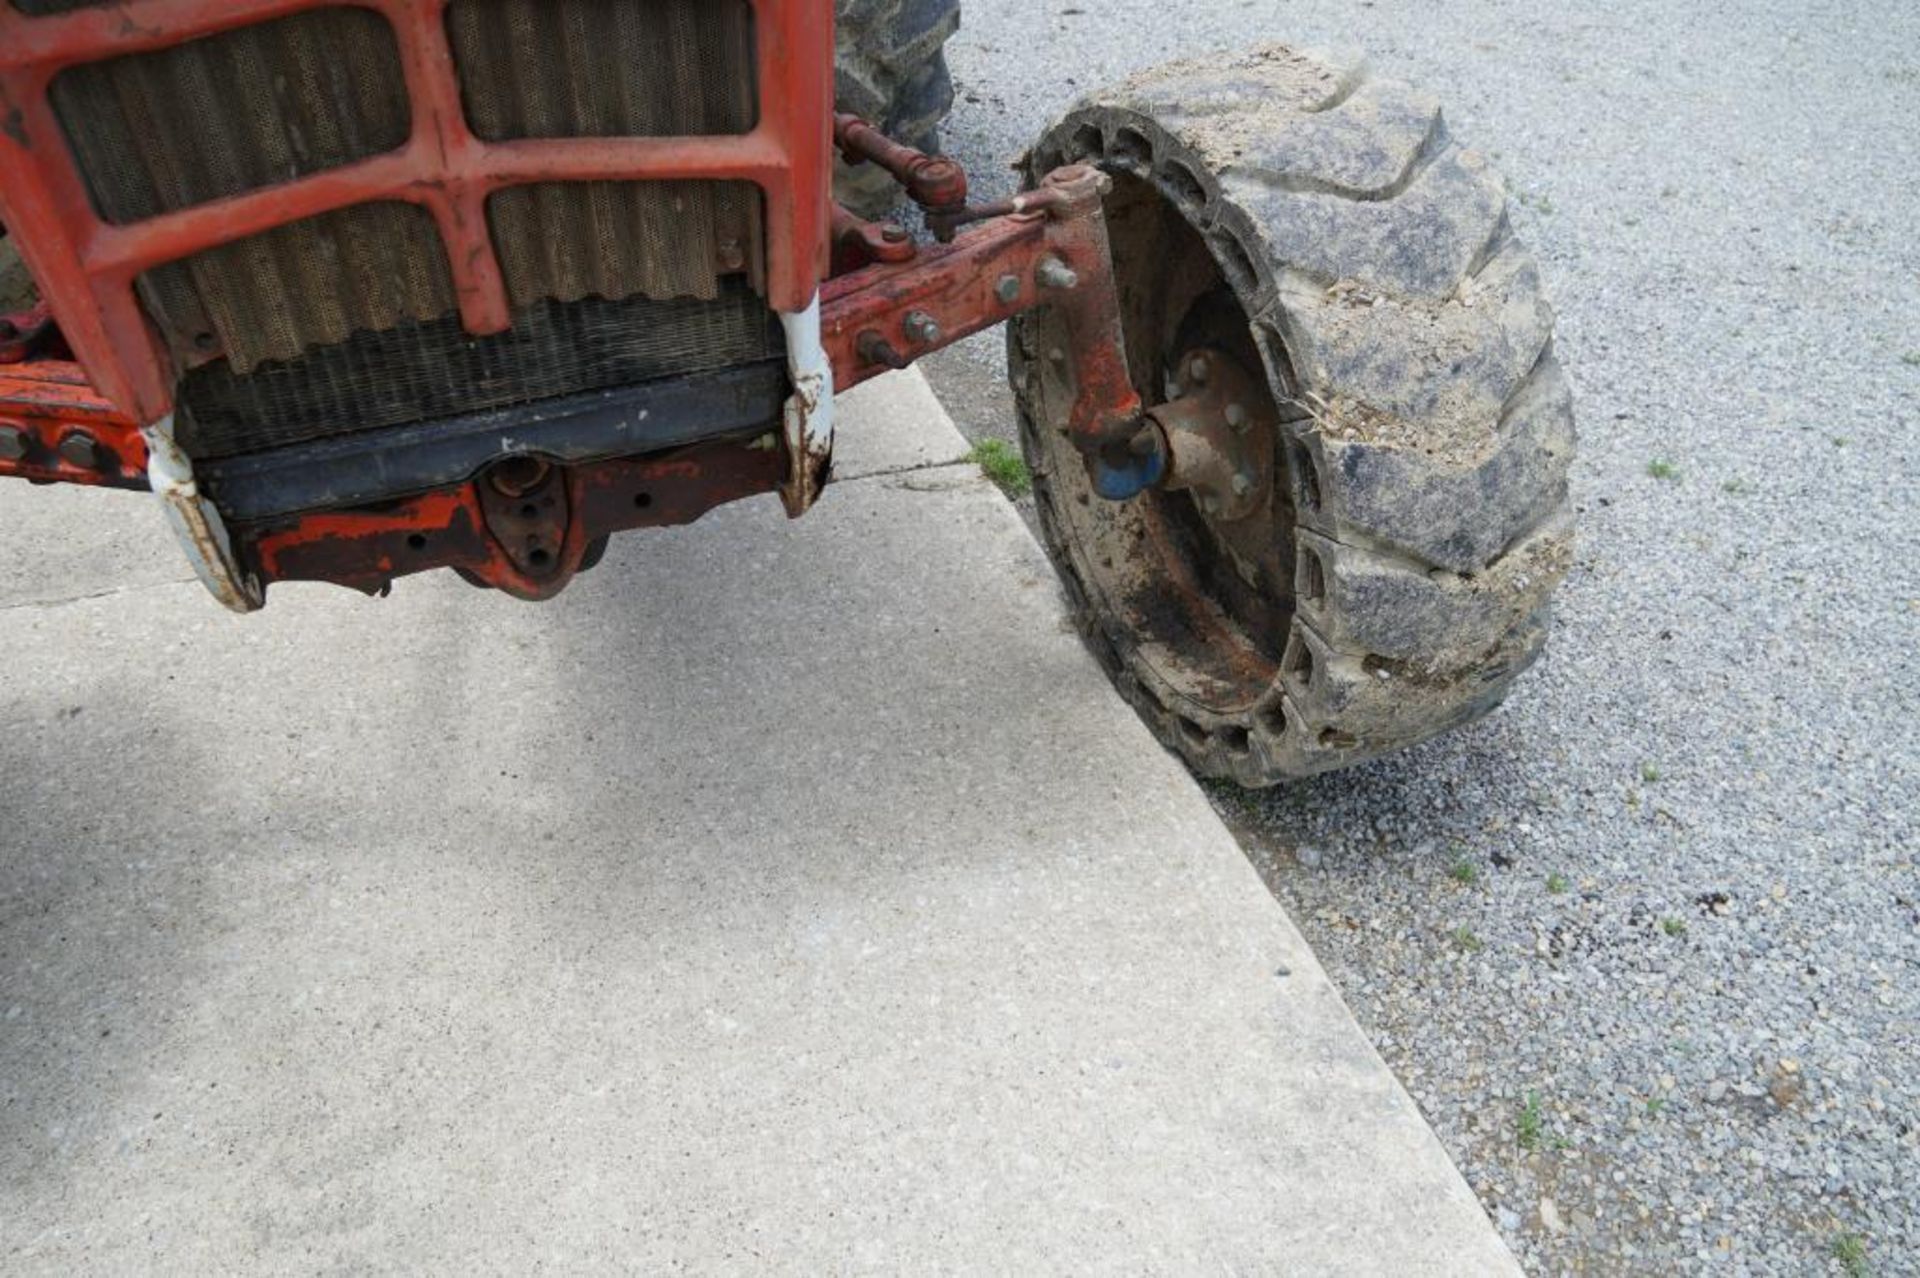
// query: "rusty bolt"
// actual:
[[1008, 289], [1054, 273], [14, 441], [1197, 370], [732, 256], [1237, 418], [1056, 356], [922, 328], [875, 349], [81, 449], [1242, 484]]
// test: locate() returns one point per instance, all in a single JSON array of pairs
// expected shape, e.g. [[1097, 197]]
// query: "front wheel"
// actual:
[[1364, 556]]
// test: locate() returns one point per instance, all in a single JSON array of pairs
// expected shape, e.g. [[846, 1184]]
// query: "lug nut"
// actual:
[[13, 443], [1008, 289], [922, 328], [1197, 370], [1242, 484], [1054, 273], [1236, 417], [81, 449]]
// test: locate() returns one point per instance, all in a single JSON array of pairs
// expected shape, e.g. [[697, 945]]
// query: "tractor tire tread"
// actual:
[[1409, 341]]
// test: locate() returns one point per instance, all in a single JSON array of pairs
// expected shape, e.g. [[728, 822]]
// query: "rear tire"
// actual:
[[891, 69], [16, 286], [1323, 227]]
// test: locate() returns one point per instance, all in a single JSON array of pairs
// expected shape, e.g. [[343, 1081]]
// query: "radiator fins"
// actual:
[[290, 331]]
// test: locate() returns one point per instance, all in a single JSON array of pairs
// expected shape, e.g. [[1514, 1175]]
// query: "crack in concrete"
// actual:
[[903, 470], [63, 600]]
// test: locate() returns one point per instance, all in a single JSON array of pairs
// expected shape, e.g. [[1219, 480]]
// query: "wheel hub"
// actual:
[[1219, 428]]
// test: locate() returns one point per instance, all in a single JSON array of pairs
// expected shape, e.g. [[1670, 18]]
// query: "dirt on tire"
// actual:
[[1426, 424]]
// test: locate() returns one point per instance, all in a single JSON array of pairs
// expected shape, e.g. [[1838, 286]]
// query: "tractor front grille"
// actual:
[[317, 311]]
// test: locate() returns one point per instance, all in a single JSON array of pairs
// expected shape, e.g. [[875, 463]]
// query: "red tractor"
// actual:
[[364, 289]]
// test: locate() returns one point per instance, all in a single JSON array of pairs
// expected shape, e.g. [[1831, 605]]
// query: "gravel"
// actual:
[[1644, 944]]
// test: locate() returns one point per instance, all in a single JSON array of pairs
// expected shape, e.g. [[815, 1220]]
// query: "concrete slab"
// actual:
[[785, 896]]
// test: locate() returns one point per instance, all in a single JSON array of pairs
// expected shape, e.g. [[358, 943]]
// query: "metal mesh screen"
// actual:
[[305, 284], [234, 112], [347, 321], [651, 68], [423, 371], [610, 239]]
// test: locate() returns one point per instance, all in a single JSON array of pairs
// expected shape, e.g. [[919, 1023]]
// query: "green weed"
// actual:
[[1003, 464], [1531, 1125]]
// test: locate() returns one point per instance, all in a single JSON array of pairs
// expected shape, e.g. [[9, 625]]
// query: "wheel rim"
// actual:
[[1192, 594]]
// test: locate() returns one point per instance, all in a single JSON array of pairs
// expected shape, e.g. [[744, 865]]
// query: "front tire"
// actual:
[[1321, 228]]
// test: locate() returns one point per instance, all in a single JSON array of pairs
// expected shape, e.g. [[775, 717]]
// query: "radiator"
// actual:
[[347, 321]]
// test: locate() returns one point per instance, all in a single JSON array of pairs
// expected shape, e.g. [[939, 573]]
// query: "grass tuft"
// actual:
[[1531, 1125], [1557, 883], [1465, 941], [1660, 469], [1850, 1250], [1004, 466], [1464, 872]]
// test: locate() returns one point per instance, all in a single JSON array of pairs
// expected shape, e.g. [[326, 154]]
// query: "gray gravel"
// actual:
[[1644, 944]]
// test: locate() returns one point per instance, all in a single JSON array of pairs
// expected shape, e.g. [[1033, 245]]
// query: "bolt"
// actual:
[[1209, 506], [1008, 289], [1054, 273], [922, 328], [13, 443], [732, 256], [81, 449], [875, 349], [892, 233], [1242, 484], [1197, 370], [1237, 418], [1056, 356]]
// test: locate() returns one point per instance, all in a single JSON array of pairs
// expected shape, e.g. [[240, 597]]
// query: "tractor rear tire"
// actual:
[[1321, 228], [891, 70]]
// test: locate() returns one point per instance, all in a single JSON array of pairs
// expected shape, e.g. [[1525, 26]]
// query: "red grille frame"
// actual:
[[86, 267]]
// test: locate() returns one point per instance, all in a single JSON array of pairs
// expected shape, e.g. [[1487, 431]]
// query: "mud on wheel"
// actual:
[[1353, 363]]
